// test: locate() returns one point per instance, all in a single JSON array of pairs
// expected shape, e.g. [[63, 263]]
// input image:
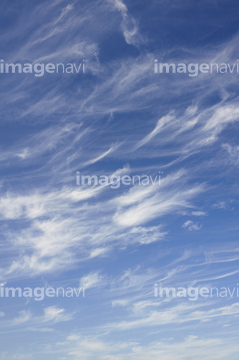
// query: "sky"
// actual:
[[119, 118]]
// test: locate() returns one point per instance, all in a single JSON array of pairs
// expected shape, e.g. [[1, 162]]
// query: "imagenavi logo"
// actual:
[[40, 69], [195, 69]]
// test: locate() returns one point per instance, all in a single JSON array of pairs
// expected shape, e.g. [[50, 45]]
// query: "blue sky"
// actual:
[[120, 118]]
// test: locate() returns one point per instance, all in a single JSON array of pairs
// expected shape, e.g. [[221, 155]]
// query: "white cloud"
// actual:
[[55, 314], [189, 225], [233, 152], [24, 316], [189, 347], [92, 280], [160, 204]]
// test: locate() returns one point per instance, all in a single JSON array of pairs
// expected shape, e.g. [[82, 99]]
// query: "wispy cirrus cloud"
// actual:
[[117, 118]]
